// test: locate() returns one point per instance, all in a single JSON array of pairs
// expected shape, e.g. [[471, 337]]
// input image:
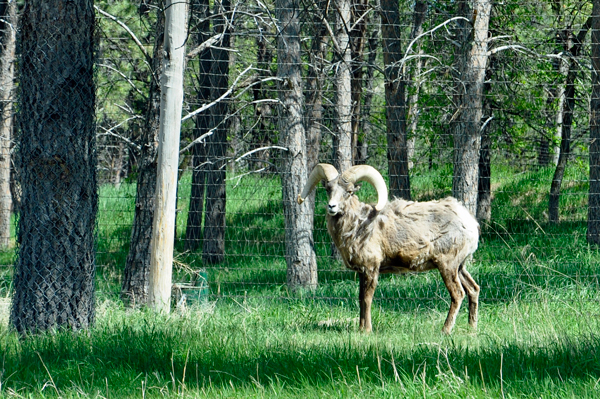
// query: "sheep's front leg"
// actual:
[[367, 286]]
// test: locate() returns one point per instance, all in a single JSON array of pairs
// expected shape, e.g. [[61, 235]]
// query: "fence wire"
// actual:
[[230, 233]]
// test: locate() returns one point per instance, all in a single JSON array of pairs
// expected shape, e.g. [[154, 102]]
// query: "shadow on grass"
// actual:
[[240, 357]]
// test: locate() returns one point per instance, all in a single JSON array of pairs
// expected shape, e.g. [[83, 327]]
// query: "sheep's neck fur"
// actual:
[[351, 231]]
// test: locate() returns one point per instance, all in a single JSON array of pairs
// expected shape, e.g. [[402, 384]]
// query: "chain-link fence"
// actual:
[[381, 72]]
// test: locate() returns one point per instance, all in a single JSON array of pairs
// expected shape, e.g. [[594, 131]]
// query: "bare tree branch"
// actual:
[[218, 100], [260, 149], [204, 45], [129, 31], [196, 141], [124, 77]]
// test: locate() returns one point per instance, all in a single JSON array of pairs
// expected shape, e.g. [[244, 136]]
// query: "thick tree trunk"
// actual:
[[342, 141], [134, 289], [8, 24], [299, 253], [395, 98], [572, 44], [593, 222], [193, 233], [470, 66], [56, 161], [214, 221]]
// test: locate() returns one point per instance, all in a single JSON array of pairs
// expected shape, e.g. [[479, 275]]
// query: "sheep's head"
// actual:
[[341, 187]]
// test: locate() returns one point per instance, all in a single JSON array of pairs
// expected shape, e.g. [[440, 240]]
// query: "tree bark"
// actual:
[[171, 104], [263, 112], [413, 100], [8, 24], [56, 161], [366, 126], [573, 44], [193, 233], [214, 221], [484, 191], [470, 66], [342, 141], [593, 221], [134, 289], [314, 98], [395, 98], [357, 38], [299, 253], [563, 67]]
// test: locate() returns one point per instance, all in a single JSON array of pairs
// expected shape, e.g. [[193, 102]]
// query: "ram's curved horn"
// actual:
[[370, 175], [322, 171]]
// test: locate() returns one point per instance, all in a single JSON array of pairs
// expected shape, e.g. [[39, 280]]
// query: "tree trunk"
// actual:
[[413, 100], [395, 98], [573, 45], [314, 99], [484, 187], [56, 161], [193, 233], [565, 148], [563, 67], [484, 192], [165, 202], [134, 289], [214, 222], [263, 113], [470, 66], [299, 254], [593, 222], [358, 35], [366, 126], [342, 141], [8, 23]]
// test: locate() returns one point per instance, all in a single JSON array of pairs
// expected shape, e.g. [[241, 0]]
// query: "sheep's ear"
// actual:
[[356, 188]]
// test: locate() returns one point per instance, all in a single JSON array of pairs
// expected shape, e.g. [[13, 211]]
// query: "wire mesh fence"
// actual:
[[376, 71]]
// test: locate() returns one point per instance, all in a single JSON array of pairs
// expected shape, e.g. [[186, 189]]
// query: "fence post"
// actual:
[[163, 226]]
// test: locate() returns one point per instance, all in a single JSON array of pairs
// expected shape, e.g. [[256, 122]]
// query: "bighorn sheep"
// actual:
[[398, 237]]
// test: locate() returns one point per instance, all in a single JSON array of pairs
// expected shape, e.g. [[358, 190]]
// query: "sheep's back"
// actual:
[[425, 230]]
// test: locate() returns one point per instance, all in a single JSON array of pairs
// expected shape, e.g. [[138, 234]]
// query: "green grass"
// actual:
[[264, 348], [537, 337]]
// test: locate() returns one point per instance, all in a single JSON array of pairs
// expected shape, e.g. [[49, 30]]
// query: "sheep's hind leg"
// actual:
[[365, 297], [457, 294], [473, 293]]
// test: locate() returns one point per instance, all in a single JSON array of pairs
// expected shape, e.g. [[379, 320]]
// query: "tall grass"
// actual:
[[538, 329]]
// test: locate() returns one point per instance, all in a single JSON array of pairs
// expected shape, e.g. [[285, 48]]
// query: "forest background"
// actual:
[[494, 103]]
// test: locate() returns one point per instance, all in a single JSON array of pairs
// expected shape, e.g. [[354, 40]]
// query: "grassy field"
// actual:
[[537, 337]]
